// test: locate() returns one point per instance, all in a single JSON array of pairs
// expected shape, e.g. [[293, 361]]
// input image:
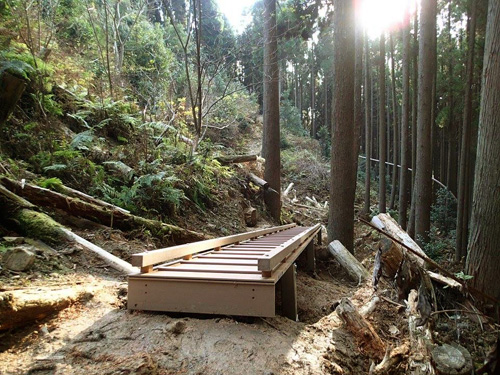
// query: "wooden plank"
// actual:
[[289, 294], [270, 260], [227, 298], [218, 268], [310, 256], [231, 256], [245, 252], [208, 276], [163, 255], [236, 262]]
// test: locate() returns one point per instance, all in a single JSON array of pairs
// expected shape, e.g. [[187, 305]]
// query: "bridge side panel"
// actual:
[[204, 297]]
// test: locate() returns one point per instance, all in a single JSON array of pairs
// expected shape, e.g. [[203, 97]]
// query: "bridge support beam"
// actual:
[[289, 293]]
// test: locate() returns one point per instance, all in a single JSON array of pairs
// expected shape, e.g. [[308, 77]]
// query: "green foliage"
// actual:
[[444, 211], [52, 183], [438, 244], [290, 118], [461, 275], [16, 67]]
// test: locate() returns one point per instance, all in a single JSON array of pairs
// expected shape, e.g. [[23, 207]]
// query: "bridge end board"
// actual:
[[201, 296]]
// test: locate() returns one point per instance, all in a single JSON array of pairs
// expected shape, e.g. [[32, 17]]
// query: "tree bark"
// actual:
[[404, 179], [382, 136], [271, 133], [342, 190], [426, 67], [464, 171], [484, 240]]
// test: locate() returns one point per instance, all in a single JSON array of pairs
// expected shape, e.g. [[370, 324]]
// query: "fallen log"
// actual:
[[368, 340], [354, 268], [21, 307], [99, 214], [233, 159]]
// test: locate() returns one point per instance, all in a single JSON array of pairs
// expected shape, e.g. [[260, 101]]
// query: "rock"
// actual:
[[451, 360], [19, 258], [14, 240], [177, 327]]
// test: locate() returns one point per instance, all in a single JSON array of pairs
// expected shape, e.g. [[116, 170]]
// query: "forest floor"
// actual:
[[98, 335]]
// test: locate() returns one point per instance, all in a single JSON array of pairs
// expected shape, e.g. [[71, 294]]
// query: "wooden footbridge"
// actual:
[[241, 274]]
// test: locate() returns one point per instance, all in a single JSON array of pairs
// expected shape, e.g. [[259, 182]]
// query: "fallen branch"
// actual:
[[420, 339]]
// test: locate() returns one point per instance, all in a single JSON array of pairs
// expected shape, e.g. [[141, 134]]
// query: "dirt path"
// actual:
[[102, 337]]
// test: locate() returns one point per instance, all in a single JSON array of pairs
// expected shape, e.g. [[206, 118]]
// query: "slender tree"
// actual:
[[271, 131], [464, 172], [382, 132], [414, 79], [341, 213], [426, 67], [404, 179], [484, 240], [368, 127], [395, 128]]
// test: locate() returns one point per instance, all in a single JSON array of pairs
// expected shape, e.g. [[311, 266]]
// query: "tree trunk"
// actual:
[[426, 67], [382, 127], [395, 141], [368, 128], [484, 240], [411, 223], [314, 130], [271, 137], [404, 180], [463, 185], [358, 104], [342, 191]]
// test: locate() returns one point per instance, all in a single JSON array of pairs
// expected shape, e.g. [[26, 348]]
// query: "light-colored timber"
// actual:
[[233, 275]]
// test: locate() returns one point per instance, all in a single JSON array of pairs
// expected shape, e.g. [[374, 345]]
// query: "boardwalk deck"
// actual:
[[234, 275]]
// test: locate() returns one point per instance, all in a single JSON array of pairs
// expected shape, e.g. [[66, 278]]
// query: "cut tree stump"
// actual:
[[250, 217], [24, 306], [354, 268], [368, 340]]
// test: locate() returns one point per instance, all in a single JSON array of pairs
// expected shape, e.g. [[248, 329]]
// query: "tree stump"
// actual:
[[11, 89], [250, 217]]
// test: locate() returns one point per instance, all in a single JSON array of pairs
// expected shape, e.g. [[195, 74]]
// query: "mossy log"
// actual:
[[38, 225], [232, 159], [103, 215], [21, 307]]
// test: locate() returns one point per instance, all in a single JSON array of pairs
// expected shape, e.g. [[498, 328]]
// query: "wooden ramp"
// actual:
[[234, 275]]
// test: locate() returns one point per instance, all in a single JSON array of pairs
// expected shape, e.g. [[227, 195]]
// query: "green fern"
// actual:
[[17, 68]]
